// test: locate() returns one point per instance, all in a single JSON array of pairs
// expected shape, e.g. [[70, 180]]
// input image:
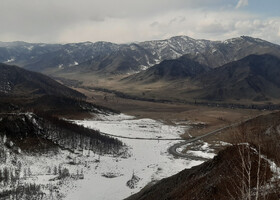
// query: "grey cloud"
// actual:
[[174, 20], [182, 19], [31, 19], [213, 28], [179, 19], [154, 24]]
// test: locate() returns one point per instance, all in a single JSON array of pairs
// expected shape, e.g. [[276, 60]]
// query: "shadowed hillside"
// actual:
[[22, 90], [255, 77], [170, 70], [16, 81]]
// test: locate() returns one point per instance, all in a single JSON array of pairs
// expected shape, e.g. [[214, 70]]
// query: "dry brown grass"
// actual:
[[256, 133], [182, 90], [170, 113]]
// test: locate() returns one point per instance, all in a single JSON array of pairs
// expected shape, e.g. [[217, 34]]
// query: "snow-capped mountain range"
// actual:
[[106, 57]]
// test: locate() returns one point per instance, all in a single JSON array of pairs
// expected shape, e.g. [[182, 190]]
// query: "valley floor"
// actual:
[[203, 118], [147, 160]]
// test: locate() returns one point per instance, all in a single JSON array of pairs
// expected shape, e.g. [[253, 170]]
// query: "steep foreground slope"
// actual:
[[246, 170], [32, 132], [40, 154], [220, 178]]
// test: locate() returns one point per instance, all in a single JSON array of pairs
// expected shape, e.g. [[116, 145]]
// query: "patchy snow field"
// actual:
[[128, 126], [198, 149], [148, 160]]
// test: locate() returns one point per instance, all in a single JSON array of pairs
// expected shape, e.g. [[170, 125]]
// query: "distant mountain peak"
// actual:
[[140, 55]]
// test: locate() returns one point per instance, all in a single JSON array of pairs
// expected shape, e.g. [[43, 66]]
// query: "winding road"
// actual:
[[173, 149], [142, 138]]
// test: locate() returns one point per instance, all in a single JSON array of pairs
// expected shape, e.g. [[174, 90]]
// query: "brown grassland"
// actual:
[[206, 118]]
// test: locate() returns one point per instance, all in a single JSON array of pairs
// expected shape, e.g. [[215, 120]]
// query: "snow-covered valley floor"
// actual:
[[147, 160]]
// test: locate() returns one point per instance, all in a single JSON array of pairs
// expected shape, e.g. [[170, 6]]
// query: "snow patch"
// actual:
[[202, 154], [143, 68], [29, 47], [60, 66], [149, 160], [197, 149], [10, 60], [128, 126]]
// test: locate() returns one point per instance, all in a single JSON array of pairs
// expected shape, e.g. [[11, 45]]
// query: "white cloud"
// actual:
[[209, 25], [124, 21], [242, 3]]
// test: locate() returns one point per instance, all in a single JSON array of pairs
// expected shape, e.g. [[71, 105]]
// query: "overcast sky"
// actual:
[[123, 21]]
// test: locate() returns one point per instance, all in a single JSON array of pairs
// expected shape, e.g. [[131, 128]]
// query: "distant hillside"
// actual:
[[170, 70], [251, 80], [16, 81], [119, 62], [39, 56], [255, 77], [70, 55]]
